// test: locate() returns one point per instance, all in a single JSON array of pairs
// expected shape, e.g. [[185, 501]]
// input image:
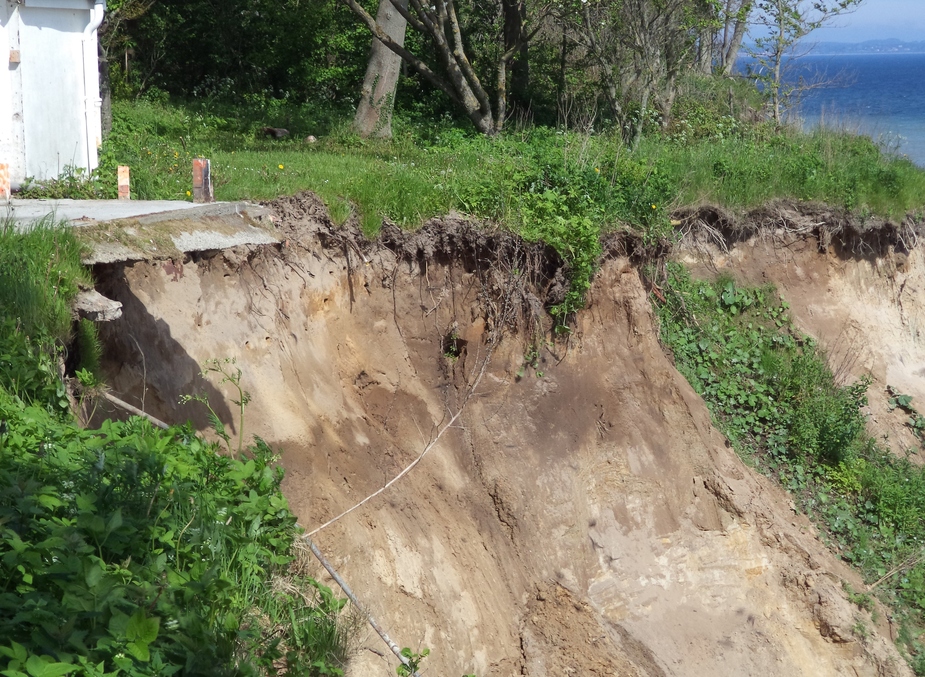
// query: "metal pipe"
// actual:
[[363, 610], [92, 100]]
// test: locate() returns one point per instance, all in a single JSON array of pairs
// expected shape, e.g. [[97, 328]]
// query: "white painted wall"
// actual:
[[49, 102]]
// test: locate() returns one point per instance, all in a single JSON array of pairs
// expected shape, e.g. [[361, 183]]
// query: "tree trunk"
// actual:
[[778, 60], [563, 63], [377, 100], [738, 34], [705, 53], [641, 122], [440, 25], [105, 91], [727, 34], [515, 17]]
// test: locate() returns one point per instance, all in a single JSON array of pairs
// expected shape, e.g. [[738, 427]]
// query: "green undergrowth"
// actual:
[[772, 392], [128, 550]]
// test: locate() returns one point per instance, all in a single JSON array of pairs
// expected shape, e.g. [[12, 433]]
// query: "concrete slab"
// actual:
[[26, 212], [131, 230]]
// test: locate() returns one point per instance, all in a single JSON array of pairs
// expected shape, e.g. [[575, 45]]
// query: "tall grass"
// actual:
[[707, 155], [40, 274], [824, 165]]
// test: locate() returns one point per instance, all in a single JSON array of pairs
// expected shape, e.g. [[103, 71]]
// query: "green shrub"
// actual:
[[147, 552]]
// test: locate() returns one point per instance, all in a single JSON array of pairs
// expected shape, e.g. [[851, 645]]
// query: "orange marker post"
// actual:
[[4, 182], [125, 191], [202, 181]]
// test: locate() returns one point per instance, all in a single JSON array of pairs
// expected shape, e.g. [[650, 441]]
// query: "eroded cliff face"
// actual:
[[861, 294], [582, 517]]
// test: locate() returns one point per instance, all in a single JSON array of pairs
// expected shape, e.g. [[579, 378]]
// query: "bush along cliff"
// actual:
[[127, 549], [772, 392]]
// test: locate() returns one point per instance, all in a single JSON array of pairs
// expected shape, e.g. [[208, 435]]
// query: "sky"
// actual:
[[878, 19]]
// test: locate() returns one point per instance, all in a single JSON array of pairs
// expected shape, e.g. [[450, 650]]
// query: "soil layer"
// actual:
[[582, 516]]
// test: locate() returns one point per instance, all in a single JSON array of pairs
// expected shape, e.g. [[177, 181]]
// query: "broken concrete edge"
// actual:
[[252, 213], [91, 305], [164, 235], [213, 227]]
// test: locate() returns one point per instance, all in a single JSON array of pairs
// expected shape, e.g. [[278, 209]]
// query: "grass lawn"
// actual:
[[425, 172]]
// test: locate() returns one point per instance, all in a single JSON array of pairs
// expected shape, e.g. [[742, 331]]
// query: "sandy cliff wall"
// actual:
[[860, 294], [583, 520]]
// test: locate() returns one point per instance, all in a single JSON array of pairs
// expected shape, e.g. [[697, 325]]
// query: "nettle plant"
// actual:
[[128, 550]]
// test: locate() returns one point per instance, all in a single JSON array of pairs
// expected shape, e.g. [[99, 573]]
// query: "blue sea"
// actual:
[[882, 95]]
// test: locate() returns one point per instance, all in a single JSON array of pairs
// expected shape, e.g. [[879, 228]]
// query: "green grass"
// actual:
[[838, 168], [369, 184], [705, 156], [40, 274]]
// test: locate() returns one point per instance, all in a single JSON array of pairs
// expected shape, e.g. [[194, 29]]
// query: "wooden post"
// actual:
[[125, 190], [202, 181], [4, 182]]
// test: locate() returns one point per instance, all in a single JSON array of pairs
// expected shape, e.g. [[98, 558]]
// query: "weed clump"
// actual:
[[40, 274]]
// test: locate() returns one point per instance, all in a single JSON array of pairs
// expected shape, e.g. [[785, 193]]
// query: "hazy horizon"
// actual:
[[877, 20]]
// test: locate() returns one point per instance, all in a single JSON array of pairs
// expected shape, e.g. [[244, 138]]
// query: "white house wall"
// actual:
[[49, 101], [52, 82], [11, 129]]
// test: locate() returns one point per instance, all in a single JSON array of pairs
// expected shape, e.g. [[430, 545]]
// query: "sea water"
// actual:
[[881, 95]]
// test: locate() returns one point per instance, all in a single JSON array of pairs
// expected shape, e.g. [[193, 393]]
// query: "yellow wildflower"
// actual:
[[281, 167]]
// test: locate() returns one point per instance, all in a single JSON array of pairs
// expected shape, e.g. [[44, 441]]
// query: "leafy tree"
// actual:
[[641, 48], [114, 36], [246, 50], [783, 23], [442, 25]]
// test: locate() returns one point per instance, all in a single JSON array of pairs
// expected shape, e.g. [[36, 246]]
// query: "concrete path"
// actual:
[[25, 212], [131, 230]]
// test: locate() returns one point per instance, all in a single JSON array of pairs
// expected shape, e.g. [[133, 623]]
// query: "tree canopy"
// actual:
[[619, 61]]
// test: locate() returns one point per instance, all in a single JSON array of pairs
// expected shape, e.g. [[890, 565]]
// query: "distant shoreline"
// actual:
[[818, 53], [867, 47]]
